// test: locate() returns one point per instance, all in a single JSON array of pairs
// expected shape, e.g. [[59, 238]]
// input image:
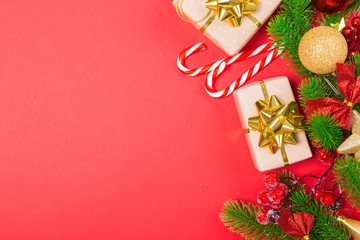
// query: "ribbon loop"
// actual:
[[349, 88], [231, 11]]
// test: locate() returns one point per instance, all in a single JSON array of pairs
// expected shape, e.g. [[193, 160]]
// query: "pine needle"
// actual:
[[325, 227], [323, 130], [288, 27], [347, 170], [240, 218], [312, 88]]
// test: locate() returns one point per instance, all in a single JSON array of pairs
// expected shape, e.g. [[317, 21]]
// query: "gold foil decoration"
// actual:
[[277, 123], [352, 144], [231, 11], [353, 226]]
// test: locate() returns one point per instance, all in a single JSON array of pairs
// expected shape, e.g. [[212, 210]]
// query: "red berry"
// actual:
[[276, 205], [347, 31], [327, 198], [355, 22], [263, 197], [282, 187], [322, 154], [276, 196], [261, 217], [271, 179], [273, 215], [317, 194]]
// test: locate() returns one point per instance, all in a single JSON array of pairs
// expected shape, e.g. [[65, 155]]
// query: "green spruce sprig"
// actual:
[[323, 130], [312, 88], [240, 218], [325, 226], [347, 170], [288, 27]]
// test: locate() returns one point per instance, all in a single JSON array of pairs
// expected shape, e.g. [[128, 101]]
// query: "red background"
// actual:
[[103, 138]]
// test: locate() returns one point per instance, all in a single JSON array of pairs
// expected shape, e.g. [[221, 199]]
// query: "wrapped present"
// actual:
[[272, 124], [230, 24]]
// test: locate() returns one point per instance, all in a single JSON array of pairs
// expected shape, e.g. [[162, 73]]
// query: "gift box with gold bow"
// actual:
[[273, 127], [230, 24]]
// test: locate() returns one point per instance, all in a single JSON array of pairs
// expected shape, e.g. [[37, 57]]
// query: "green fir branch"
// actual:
[[331, 20], [288, 27], [240, 218], [323, 130], [325, 226], [312, 88], [347, 175]]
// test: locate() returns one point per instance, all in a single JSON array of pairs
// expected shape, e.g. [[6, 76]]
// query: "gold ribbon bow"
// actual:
[[231, 11], [277, 123], [352, 144]]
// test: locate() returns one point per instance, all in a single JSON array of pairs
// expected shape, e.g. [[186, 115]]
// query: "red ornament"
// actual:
[[297, 225], [347, 32], [318, 194], [322, 155], [350, 89], [271, 179], [331, 6], [263, 198], [327, 198], [355, 22]]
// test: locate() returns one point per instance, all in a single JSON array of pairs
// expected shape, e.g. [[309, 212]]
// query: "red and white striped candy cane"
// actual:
[[210, 67], [241, 80]]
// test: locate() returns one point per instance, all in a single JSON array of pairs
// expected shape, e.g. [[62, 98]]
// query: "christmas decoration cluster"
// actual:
[[319, 39]]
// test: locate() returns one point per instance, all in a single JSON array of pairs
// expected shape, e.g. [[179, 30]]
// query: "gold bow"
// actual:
[[352, 143], [277, 123], [232, 11]]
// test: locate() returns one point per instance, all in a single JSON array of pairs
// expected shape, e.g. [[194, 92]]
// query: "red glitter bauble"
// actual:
[[347, 32], [355, 22], [330, 6]]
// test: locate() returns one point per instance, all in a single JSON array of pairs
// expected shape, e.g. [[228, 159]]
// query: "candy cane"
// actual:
[[210, 67], [241, 80]]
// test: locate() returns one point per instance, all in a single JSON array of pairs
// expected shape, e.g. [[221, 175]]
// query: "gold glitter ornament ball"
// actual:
[[321, 48]]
